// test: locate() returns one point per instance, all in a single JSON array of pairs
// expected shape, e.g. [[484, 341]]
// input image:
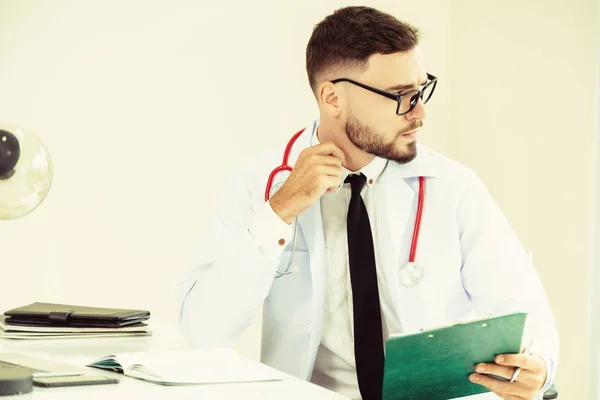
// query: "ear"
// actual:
[[329, 97]]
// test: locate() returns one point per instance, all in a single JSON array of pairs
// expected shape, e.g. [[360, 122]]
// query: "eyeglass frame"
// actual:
[[398, 97]]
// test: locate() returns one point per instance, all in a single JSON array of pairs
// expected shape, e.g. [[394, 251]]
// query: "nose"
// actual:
[[419, 112]]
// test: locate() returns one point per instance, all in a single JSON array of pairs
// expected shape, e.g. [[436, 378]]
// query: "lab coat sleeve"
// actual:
[[270, 232], [230, 274], [497, 272]]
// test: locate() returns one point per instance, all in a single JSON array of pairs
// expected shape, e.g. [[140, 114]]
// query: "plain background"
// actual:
[[147, 106]]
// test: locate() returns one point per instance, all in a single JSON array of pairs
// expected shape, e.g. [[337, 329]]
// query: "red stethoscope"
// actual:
[[410, 273]]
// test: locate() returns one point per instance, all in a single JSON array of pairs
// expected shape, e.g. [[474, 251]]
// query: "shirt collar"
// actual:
[[372, 170]]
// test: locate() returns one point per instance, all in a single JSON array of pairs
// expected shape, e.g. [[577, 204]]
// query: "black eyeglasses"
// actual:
[[406, 101]]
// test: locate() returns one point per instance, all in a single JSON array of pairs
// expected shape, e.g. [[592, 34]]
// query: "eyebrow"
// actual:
[[398, 88]]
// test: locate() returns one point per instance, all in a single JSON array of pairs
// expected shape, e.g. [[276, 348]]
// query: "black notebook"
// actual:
[[49, 314]]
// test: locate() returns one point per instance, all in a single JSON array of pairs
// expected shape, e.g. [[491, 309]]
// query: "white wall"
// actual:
[[594, 303], [523, 84], [146, 106]]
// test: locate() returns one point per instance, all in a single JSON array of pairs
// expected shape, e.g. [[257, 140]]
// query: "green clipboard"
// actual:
[[436, 364]]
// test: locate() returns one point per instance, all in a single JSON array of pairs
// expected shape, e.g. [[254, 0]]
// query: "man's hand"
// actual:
[[530, 381], [317, 170]]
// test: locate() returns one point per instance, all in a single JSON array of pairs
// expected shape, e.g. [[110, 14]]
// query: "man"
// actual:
[[337, 283]]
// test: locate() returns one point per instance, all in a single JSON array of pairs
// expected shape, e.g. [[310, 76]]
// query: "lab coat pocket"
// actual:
[[292, 264]]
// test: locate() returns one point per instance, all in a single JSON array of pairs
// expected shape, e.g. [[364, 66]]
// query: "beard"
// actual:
[[369, 141]]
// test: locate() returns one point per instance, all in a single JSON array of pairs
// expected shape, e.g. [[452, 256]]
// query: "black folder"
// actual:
[[49, 314]]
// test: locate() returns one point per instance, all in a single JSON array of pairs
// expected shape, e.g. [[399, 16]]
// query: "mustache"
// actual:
[[414, 125]]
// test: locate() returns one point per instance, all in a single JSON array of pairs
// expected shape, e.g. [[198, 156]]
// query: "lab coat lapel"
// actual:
[[311, 227], [396, 229], [397, 203]]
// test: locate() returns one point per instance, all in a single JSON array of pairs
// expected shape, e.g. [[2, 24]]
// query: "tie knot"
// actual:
[[356, 181]]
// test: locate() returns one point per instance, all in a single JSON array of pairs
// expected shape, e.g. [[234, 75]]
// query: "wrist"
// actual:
[[281, 207]]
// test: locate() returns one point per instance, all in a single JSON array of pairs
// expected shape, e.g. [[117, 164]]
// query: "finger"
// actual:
[[533, 363], [329, 170], [330, 183], [495, 369], [502, 387], [328, 148], [526, 377], [529, 378], [326, 181], [318, 159], [508, 396]]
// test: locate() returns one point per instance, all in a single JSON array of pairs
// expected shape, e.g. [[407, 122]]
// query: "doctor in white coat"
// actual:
[[366, 70]]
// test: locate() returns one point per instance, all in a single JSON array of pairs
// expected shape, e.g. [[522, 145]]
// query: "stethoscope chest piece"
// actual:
[[411, 274]]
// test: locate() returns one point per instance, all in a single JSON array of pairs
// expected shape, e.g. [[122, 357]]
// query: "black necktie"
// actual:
[[368, 336]]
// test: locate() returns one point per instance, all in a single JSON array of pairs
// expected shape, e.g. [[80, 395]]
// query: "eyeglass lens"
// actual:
[[409, 102]]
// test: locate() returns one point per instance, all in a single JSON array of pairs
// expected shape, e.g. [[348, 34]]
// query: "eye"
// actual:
[[404, 91]]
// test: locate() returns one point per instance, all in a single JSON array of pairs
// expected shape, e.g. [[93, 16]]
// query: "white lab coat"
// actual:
[[473, 262]]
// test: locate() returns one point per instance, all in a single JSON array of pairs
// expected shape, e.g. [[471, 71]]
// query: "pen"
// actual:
[[526, 352]]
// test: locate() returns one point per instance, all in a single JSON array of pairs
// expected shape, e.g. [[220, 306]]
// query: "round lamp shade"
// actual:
[[25, 171]]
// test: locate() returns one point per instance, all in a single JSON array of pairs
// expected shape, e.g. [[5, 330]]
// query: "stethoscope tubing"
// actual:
[[286, 167]]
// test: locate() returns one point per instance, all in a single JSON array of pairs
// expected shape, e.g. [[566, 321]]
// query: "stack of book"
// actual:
[[64, 321]]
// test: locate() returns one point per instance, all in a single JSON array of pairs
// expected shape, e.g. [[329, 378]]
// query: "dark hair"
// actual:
[[349, 36]]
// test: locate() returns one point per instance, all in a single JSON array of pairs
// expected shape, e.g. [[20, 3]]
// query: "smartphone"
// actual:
[[74, 380]]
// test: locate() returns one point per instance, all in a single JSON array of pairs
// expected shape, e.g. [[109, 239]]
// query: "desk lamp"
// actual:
[[25, 171], [25, 178]]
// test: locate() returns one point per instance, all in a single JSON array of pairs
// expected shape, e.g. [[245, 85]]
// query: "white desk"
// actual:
[[83, 351]]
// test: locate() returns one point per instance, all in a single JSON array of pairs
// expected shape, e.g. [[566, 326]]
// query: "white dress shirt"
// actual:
[[335, 367]]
